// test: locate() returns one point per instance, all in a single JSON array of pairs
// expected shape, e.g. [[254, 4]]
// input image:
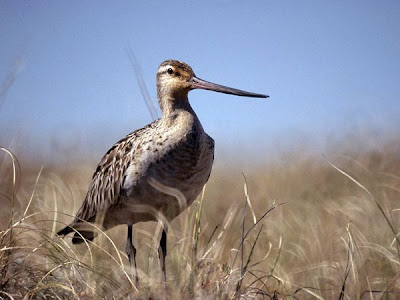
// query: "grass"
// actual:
[[304, 227]]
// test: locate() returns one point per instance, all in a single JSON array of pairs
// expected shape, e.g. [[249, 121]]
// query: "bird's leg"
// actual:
[[162, 251], [131, 252]]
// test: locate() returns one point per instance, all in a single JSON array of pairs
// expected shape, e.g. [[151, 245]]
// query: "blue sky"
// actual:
[[328, 66]]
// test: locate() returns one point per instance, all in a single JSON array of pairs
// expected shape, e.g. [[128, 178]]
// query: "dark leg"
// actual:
[[162, 252], [131, 252]]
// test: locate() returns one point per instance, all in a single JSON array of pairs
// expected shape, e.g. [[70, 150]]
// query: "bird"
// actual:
[[159, 169]]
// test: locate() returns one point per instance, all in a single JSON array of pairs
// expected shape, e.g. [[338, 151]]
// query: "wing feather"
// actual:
[[108, 179]]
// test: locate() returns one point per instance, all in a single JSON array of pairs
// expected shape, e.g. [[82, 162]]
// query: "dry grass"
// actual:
[[301, 228]]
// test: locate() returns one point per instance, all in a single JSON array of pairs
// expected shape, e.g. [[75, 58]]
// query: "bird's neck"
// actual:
[[176, 109]]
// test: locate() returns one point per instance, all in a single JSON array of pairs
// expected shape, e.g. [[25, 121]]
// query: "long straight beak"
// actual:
[[198, 83]]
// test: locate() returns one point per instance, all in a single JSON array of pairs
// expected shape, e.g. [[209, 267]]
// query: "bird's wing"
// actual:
[[108, 179]]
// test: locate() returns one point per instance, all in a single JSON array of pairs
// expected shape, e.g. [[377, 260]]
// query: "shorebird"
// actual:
[[155, 168]]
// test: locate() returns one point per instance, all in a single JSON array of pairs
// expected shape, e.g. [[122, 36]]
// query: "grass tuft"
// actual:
[[314, 229]]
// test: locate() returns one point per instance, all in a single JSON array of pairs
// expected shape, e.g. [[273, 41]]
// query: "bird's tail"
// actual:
[[80, 235]]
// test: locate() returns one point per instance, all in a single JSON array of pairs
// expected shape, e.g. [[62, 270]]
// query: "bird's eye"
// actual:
[[170, 71]]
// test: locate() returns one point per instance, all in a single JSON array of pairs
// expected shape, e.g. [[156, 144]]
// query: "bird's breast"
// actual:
[[184, 161], [176, 159]]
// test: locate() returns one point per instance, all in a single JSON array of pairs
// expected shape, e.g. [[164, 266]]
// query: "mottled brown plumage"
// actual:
[[160, 168]]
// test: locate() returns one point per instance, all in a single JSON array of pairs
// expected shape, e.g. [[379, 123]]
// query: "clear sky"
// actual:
[[328, 66]]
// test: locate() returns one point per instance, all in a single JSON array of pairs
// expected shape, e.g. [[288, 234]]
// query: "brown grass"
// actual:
[[326, 227]]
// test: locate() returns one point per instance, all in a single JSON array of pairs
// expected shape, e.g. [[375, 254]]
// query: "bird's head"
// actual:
[[176, 79]]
